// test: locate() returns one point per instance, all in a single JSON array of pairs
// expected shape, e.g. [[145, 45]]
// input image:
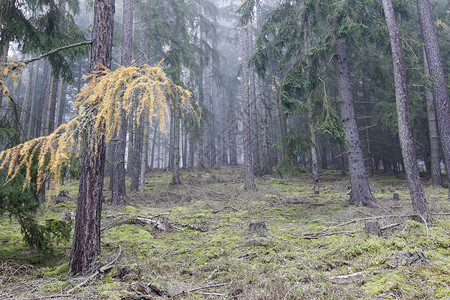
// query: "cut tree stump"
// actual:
[[407, 259], [372, 228], [396, 196], [258, 229]]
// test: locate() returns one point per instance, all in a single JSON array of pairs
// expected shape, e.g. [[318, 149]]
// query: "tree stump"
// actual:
[[372, 228], [258, 229], [64, 193], [407, 259], [396, 196], [163, 224]]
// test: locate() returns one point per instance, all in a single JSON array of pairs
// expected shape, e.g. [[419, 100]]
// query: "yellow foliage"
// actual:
[[100, 107], [12, 69]]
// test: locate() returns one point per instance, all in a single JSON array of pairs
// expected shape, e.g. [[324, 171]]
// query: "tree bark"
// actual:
[[136, 159], [176, 144], [436, 68], [33, 104], [144, 158], [435, 165], [62, 105], [406, 140], [53, 99], [247, 139], [24, 114], [118, 188], [361, 193], [232, 132], [86, 240], [42, 99]]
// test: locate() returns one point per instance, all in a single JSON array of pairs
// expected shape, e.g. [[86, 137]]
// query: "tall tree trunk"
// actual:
[[42, 99], [24, 114], [176, 143], [232, 129], [144, 158], [436, 69], [248, 160], [406, 140], [313, 147], [136, 160], [52, 111], [33, 104], [155, 140], [361, 193], [435, 165], [62, 105], [118, 187], [86, 240]]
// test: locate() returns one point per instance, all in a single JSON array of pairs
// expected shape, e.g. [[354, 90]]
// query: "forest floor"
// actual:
[[316, 247]]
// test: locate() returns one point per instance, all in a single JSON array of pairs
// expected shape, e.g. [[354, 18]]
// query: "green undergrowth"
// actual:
[[312, 250]]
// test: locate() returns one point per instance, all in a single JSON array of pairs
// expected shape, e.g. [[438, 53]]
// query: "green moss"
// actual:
[[130, 210]]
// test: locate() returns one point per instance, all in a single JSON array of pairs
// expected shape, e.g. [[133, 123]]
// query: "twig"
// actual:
[[101, 270], [347, 276], [389, 226], [47, 297], [246, 254], [316, 235], [200, 288], [212, 294]]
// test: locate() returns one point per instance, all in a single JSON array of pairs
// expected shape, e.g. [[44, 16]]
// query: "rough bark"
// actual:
[[436, 69], [118, 188], [360, 193], [247, 139], [435, 164], [86, 240], [406, 140], [313, 147]]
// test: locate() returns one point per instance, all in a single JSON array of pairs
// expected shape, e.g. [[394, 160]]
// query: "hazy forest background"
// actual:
[[255, 149]]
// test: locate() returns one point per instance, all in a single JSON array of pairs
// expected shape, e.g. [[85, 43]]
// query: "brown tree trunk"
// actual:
[[118, 188], [176, 144], [53, 100], [246, 117], [435, 164], [406, 140], [361, 193], [86, 240], [24, 114], [436, 68], [42, 99]]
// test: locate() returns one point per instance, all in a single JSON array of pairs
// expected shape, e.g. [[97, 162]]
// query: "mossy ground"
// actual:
[[209, 245]]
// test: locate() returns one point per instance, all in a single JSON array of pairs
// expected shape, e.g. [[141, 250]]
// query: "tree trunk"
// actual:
[[176, 143], [232, 132], [144, 158], [62, 105], [155, 139], [247, 139], [24, 114], [86, 240], [313, 147], [136, 159], [435, 165], [4, 48], [33, 104], [42, 99], [53, 100], [361, 193], [436, 69], [406, 140], [118, 188]]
